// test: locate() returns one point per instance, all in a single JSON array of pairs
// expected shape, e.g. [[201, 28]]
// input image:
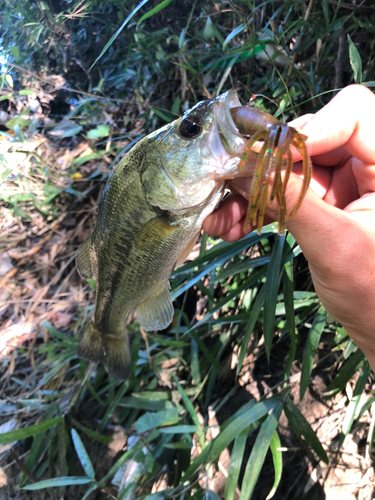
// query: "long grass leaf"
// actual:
[[289, 313], [258, 453], [190, 408], [277, 458], [58, 481], [302, 428], [101, 438], [229, 296], [353, 405], [311, 346], [229, 433], [259, 301], [128, 455], [272, 285], [233, 34], [346, 372], [154, 11], [235, 464], [115, 401], [113, 37], [152, 420], [10, 437], [82, 454], [206, 352]]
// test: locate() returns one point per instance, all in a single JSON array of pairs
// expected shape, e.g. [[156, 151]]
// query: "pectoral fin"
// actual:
[[156, 311], [83, 261]]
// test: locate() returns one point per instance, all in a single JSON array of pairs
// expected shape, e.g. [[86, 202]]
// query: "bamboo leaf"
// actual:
[[302, 428], [233, 34], [213, 449], [353, 405], [113, 37], [311, 346], [270, 300], [355, 61], [58, 481], [10, 437], [289, 313], [92, 488], [235, 464], [157, 419], [154, 11], [193, 414], [82, 454], [277, 458], [259, 301], [258, 453], [346, 372]]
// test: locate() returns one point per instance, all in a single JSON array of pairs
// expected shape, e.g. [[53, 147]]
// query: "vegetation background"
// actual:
[[254, 391]]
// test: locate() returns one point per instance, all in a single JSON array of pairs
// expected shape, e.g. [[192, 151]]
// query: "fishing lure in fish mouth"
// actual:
[[274, 157], [153, 207]]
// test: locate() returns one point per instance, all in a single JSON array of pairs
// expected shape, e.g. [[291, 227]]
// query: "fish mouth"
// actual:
[[229, 133]]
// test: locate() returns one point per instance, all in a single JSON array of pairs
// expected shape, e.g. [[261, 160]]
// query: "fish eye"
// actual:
[[190, 127]]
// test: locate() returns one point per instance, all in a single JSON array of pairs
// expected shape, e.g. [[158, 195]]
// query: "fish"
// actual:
[[149, 218]]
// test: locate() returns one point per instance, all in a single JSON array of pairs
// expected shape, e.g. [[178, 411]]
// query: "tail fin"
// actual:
[[113, 351]]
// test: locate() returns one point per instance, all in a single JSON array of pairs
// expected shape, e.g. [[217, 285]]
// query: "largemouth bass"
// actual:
[[150, 215]]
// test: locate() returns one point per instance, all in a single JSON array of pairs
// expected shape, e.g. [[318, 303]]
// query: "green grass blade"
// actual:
[[366, 406], [233, 34], [259, 301], [152, 420], [272, 286], [311, 346], [289, 313], [113, 37], [58, 481], [258, 453], [229, 296], [92, 488], [90, 433], [194, 363], [179, 429], [235, 464], [355, 61], [82, 454], [353, 405], [207, 353], [193, 414], [277, 458], [116, 400], [154, 11], [128, 455], [346, 372], [302, 428], [229, 433], [10, 437]]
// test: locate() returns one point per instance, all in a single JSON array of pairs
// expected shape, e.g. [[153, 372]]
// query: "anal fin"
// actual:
[[112, 350], [83, 261], [156, 311]]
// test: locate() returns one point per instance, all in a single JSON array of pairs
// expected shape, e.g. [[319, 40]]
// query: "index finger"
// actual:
[[347, 121]]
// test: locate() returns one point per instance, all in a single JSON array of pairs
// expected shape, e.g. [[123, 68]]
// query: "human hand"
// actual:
[[335, 224]]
